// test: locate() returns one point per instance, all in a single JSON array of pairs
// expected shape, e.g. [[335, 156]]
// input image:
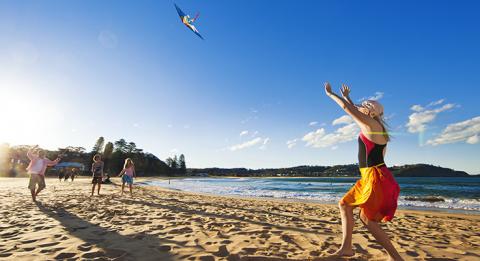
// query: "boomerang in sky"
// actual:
[[187, 21]]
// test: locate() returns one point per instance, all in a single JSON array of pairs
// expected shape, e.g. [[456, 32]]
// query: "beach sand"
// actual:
[[158, 224]]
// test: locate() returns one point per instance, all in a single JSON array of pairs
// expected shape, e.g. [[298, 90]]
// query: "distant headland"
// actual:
[[350, 170]]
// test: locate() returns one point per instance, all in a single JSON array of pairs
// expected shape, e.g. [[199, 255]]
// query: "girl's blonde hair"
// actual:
[[385, 126], [128, 163], [97, 157]]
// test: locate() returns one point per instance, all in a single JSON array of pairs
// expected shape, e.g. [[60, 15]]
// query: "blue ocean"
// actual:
[[461, 194]]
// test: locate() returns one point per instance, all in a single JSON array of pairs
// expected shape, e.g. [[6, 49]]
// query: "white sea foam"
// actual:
[[325, 192]]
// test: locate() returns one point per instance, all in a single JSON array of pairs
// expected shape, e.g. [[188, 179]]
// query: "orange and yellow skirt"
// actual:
[[376, 193]]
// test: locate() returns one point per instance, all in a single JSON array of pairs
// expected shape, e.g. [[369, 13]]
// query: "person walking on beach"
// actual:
[[73, 173], [128, 173], [376, 192], [61, 174], [97, 173], [36, 169], [67, 174]]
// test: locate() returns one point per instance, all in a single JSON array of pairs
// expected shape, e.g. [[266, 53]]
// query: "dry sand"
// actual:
[[158, 224]]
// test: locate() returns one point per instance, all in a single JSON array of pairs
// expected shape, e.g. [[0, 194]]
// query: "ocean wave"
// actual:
[[426, 199], [308, 191]]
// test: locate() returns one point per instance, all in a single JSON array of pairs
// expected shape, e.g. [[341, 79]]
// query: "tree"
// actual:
[[121, 146], [131, 147], [169, 162], [98, 145], [182, 165], [175, 163], [107, 154]]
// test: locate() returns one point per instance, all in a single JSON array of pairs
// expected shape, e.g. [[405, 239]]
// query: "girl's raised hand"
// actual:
[[328, 88], [345, 90]]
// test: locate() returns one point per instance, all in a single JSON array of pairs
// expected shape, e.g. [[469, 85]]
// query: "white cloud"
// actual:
[[417, 108], [376, 96], [251, 143], [245, 132], [292, 143], [434, 103], [472, 140], [313, 123], [320, 139], [254, 133], [345, 119], [417, 121], [264, 145], [467, 131], [174, 150]]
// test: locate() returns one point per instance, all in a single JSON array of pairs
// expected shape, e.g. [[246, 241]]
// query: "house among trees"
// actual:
[[64, 165]]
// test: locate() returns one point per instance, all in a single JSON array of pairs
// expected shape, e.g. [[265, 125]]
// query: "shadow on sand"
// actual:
[[113, 245]]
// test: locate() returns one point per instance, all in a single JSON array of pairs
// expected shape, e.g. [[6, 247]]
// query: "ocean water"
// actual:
[[461, 194]]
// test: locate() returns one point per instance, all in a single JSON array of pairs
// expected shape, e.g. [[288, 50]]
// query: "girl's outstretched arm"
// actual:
[[361, 119]]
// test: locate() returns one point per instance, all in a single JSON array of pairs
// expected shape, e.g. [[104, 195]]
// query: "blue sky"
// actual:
[[251, 94]]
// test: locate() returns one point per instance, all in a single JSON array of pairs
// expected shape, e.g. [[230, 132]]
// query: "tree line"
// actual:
[[13, 160]]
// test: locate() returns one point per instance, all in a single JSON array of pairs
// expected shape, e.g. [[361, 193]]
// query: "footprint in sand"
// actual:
[[207, 258], [65, 255], [51, 250], [84, 247], [249, 250], [93, 254], [49, 244], [28, 241]]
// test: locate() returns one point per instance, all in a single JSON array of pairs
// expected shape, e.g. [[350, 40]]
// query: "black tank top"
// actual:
[[369, 153]]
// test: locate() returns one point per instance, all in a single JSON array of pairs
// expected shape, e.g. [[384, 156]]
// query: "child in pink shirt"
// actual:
[[37, 167], [128, 173]]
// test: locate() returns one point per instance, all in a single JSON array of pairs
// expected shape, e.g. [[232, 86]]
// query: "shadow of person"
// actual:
[[139, 246]]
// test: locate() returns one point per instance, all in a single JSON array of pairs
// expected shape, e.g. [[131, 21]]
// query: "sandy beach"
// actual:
[[158, 224]]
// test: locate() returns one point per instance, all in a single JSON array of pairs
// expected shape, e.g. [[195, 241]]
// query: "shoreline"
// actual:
[[400, 208], [162, 224], [440, 211]]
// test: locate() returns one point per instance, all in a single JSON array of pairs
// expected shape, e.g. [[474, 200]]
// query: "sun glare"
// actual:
[[26, 118]]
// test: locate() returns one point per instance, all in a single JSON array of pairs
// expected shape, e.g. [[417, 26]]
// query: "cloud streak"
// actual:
[[465, 131], [251, 143], [321, 139], [418, 121], [292, 143]]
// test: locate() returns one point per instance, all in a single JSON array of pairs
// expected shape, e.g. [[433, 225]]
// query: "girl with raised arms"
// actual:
[[376, 192]]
